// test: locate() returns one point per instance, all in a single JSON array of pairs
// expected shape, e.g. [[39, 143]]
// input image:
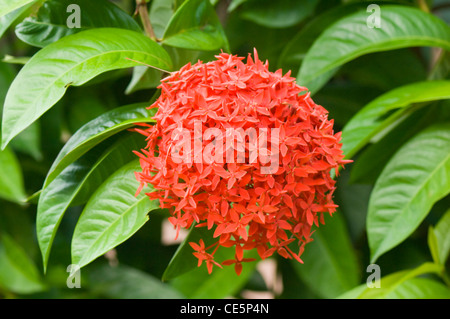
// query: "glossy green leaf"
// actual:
[[8, 19], [96, 131], [72, 61], [11, 5], [50, 24], [373, 159], [439, 239], [195, 26], [75, 184], [160, 13], [111, 216], [351, 37], [124, 282], [278, 14], [295, 51], [143, 78], [390, 283], [330, 265], [221, 283], [386, 109], [420, 288], [11, 179], [17, 271], [416, 177]]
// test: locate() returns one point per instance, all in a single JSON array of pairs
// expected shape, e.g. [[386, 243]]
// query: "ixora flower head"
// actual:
[[242, 151]]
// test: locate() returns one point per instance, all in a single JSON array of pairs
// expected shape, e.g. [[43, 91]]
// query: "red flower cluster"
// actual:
[[247, 208]]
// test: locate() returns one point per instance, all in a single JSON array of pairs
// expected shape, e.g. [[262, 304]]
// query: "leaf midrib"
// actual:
[[82, 261], [405, 208], [123, 125]]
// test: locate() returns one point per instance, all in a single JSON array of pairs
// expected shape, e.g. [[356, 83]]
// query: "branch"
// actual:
[[141, 8]]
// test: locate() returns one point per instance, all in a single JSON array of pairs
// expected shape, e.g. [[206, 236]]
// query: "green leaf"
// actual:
[[387, 109], [351, 37], [75, 184], [183, 261], [330, 265], [278, 14], [420, 288], [160, 13], [50, 24], [17, 271], [390, 283], [11, 5], [295, 51], [123, 282], [8, 19], [195, 26], [373, 159], [439, 239], [143, 78], [416, 177], [96, 131], [111, 216], [11, 179], [221, 283], [46, 77]]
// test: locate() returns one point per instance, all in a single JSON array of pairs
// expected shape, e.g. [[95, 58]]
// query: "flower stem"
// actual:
[[141, 8]]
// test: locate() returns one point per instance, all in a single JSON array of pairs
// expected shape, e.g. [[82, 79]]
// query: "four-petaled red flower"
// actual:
[[247, 207]]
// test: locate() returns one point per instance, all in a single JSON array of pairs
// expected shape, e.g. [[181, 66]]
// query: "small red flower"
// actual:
[[243, 151]]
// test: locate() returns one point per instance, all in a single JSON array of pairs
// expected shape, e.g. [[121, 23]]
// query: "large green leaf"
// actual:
[[73, 60], [420, 288], [11, 5], [416, 177], [295, 51], [351, 37], [17, 271], [439, 239], [8, 19], [195, 26], [278, 14], [96, 131], [111, 215], [373, 159], [386, 109], [330, 265], [160, 13], [123, 282], [50, 24], [75, 184], [11, 179], [390, 283]]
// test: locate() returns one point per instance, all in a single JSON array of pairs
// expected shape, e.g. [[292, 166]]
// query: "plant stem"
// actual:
[[141, 7], [423, 5]]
